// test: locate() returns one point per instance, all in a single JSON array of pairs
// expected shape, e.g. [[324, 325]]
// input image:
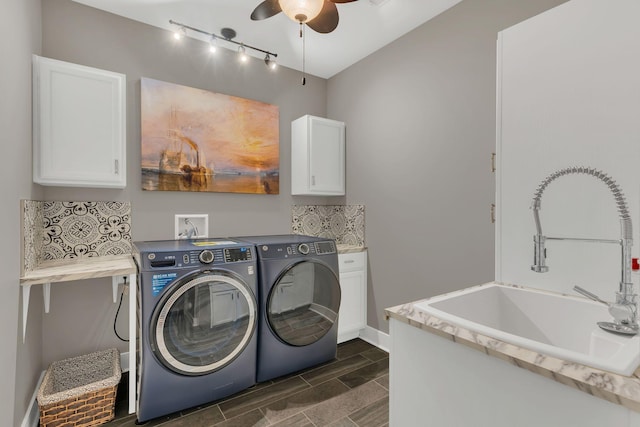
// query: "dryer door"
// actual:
[[303, 303], [203, 322]]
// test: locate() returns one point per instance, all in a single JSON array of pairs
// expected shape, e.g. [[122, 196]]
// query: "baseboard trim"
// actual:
[[32, 416], [375, 337]]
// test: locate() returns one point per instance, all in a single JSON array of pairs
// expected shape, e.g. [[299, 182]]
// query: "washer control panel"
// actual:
[[165, 260]]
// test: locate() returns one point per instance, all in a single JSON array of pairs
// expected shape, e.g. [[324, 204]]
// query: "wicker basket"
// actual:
[[81, 391]]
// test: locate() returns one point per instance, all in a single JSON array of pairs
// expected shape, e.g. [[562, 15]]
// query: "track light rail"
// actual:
[[226, 39]]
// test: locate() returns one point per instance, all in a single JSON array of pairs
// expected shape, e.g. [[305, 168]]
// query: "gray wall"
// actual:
[[19, 363], [420, 117], [82, 312]]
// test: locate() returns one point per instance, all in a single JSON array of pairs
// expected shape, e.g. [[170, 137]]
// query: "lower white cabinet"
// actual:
[[352, 317]]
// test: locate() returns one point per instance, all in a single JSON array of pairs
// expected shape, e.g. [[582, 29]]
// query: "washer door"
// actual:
[[203, 322], [303, 303]]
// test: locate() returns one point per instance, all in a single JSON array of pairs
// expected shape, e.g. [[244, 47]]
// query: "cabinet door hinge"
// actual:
[[493, 162], [493, 213]]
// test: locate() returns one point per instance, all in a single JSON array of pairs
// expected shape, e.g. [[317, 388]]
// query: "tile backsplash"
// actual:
[[63, 230], [344, 223], [31, 228]]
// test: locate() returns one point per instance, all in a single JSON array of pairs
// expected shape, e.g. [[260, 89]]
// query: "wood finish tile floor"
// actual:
[[350, 391]]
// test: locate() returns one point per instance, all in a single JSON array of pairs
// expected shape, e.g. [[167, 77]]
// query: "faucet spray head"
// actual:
[[539, 254]]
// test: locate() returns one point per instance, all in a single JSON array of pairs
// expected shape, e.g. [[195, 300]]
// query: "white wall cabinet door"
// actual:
[[352, 316], [317, 157], [79, 125], [568, 95]]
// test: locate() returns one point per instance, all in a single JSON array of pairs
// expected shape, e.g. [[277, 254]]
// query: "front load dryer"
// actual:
[[197, 322], [299, 294]]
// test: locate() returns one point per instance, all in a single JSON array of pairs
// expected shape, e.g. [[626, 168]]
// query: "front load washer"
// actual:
[[299, 294], [197, 323]]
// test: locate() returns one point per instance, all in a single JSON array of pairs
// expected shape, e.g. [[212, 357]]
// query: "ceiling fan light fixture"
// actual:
[[301, 11]]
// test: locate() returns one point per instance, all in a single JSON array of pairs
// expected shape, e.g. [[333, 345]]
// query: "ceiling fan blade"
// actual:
[[265, 10], [343, 1], [327, 20]]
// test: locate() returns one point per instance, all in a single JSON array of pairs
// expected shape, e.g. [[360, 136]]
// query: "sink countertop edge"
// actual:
[[614, 388]]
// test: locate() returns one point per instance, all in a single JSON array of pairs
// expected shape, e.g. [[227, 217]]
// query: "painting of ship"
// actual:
[[197, 140]]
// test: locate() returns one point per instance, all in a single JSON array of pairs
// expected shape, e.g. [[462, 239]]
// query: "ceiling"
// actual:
[[365, 26]]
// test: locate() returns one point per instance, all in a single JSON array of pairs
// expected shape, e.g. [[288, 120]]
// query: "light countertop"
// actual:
[[349, 249], [78, 269], [615, 388]]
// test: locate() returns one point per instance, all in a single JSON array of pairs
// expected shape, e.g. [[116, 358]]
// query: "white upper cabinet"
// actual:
[[79, 125], [317, 157]]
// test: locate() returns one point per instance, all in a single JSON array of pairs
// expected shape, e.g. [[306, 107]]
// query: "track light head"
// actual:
[[242, 52], [179, 33], [271, 63], [212, 44]]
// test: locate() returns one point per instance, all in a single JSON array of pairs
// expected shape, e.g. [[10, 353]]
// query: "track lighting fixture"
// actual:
[[228, 34]]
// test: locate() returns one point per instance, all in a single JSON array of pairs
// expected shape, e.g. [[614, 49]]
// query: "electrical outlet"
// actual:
[[191, 226]]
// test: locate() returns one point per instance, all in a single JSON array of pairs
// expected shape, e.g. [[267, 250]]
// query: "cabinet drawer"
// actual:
[[351, 262]]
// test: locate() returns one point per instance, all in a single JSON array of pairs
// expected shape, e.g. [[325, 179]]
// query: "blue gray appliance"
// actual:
[[299, 294], [197, 318]]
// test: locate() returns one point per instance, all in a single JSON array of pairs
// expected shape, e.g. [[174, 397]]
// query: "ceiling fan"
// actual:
[[319, 15]]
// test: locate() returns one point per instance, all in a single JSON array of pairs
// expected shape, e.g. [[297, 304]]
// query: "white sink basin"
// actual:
[[552, 324]]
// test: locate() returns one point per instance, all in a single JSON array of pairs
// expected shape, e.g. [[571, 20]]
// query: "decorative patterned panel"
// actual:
[[345, 224], [32, 220], [85, 229]]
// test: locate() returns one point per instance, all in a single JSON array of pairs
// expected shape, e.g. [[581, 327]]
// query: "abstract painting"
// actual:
[[197, 140]]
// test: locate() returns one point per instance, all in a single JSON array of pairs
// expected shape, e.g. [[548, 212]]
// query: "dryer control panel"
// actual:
[[297, 249]]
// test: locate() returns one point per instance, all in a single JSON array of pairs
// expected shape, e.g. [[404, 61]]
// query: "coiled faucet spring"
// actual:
[[621, 202]]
